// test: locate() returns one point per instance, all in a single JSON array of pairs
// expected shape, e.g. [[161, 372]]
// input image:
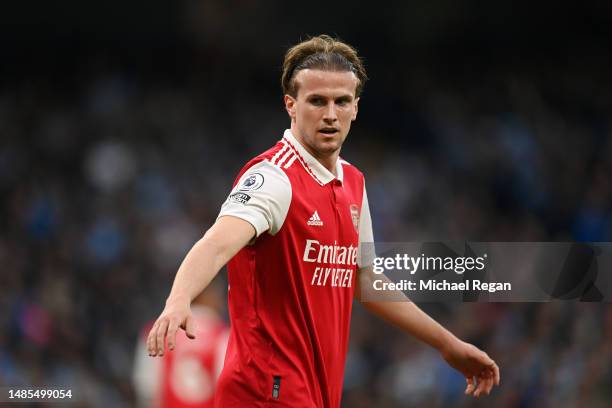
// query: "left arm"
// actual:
[[464, 357], [480, 371]]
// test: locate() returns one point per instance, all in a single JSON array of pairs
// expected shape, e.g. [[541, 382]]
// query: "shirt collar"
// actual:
[[313, 166]]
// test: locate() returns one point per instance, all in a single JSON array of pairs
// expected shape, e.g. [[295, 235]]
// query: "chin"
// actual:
[[328, 147]]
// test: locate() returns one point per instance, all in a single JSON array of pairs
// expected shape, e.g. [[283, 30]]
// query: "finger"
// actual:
[[172, 328], [479, 389], [190, 327], [490, 384], [482, 384], [148, 342], [496, 376], [470, 386], [151, 341], [487, 383], [476, 392], [161, 334]]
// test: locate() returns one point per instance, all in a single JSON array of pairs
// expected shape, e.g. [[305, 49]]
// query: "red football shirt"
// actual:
[[291, 290], [186, 376]]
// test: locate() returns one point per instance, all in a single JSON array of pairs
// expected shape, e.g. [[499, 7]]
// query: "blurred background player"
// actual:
[[186, 377]]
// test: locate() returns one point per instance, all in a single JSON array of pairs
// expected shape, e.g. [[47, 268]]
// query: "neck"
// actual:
[[328, 160]]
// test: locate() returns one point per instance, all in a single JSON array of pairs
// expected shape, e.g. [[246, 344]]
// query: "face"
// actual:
[[322, 112]]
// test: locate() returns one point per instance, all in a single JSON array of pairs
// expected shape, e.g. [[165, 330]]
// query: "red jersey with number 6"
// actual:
[[186, 376]]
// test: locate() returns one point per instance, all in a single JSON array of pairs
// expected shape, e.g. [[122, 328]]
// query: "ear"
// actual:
[[356, 102], [290, 105]]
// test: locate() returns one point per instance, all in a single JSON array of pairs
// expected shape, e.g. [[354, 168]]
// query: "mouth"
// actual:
[[329, 131]]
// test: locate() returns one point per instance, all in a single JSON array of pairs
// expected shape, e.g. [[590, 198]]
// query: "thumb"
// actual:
[[190, 327]]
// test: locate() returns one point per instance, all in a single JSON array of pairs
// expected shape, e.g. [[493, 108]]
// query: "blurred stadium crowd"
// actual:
[[107, 177]]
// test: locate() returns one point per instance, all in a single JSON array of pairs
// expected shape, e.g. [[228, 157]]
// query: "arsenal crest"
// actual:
[[355, 216]]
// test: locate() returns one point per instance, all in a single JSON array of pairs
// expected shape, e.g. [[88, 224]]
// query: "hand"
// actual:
[[177, 313], [480, 371]]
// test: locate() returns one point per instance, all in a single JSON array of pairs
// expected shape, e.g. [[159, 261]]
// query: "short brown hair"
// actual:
[[325, 53]]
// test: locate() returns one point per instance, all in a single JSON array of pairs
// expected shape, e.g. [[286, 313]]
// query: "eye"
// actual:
[[343, 101], [317, 101]]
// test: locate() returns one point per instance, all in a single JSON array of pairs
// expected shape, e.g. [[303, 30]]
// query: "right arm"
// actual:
[[258, 202], [222, 241]]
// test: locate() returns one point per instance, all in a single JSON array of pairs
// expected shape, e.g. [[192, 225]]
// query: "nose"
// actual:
[[330, 114]]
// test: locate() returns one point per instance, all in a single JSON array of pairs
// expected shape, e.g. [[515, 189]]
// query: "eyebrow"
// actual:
[[315, 96]]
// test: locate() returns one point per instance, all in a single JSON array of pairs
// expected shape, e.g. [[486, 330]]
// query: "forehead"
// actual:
[[325, 83]]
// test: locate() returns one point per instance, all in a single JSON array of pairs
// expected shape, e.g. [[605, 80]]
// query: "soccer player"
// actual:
[[293, 230]]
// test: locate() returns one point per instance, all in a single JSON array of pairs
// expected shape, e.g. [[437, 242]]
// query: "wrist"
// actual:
[[448, 342], [178, 299]]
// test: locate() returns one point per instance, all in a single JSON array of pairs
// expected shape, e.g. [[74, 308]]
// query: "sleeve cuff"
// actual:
[[256, 220]]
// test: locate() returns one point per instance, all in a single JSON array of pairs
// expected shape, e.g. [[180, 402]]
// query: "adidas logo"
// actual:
[[315, 220]]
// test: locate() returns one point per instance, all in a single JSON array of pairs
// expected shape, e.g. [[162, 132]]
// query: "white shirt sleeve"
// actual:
[[366, 252], [261, 197]]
